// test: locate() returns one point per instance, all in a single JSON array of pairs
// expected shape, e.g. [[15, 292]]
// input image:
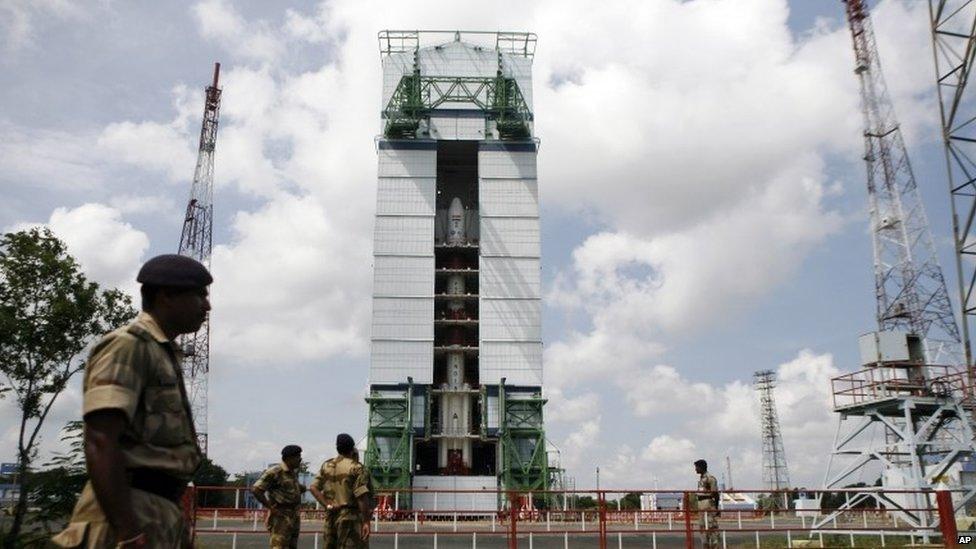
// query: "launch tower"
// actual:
[[455, 398]]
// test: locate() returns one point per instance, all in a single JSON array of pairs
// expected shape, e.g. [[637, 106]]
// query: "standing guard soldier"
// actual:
[[278, 489], [707, 505], [140, 445], [343, 488]]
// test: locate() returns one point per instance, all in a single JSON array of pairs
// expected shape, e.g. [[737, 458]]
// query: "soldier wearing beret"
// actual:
[[140, 445], [280, 492], [343, 487]]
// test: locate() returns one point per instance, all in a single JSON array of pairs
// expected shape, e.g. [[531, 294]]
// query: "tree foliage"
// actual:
[[49, 313]]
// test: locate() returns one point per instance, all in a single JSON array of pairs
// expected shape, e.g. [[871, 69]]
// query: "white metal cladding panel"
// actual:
[[418, 411], [407, 163], [394, 361], [510, 319], [449, 500], [520, 68], [509, 197], [519, 363], [493, 418], [395, 276], [510, 236], [509, 277], [458, 59], [470, 128], [395, 66], [507, 164], [443, 127], [406, 196], [404, 236], [403, 318]]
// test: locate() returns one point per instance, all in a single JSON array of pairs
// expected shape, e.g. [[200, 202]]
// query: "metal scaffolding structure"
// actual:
[[776, 475], [904, 420], [525, 463], [953, 25], [910, 289], [196, 241]]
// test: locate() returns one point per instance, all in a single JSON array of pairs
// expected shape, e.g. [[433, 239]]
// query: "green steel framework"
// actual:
[[390, 419], [499, 98], [525, 464]]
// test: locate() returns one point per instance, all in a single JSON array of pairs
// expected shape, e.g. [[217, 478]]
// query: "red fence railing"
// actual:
[[595, 517]]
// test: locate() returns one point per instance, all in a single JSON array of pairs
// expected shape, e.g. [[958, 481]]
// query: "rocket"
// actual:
[[455, 448], [455, 223]]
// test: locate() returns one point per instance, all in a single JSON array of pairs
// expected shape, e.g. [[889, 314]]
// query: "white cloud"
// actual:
[[669, 450], [292, 285], [580, 444], [156, 146], [18, 19], [560, 409], [49, 158], [714, 421], [218, 20], [109, 250]]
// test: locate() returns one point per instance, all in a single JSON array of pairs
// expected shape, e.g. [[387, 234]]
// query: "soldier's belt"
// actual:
[[700, 498], [157, 482]]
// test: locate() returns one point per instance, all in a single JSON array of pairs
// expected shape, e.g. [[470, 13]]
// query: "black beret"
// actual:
[[344, 443], [701, 463], [176, 271], [291, 450]]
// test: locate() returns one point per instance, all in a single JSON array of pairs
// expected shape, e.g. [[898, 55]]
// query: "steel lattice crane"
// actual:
[[196, 241], [910, 289], [953, 24]]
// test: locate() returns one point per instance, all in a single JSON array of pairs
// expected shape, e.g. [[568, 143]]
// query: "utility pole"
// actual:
[[728, 471], [196, 241]]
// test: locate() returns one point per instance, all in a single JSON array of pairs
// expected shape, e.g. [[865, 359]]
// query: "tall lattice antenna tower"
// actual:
[[776, 476], [910, 389], [909, 287], [954, 46], [196, 241]]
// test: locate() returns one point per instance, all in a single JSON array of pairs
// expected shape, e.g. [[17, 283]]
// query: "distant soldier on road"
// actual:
[[707, 497], [140, 445], [280, 492], [342, 486]]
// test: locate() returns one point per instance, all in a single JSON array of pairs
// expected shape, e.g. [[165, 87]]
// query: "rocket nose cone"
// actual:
[[456, 205]]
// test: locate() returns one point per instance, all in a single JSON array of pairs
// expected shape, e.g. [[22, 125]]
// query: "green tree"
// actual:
[[630, 501], [211, 474], [54, 490], [49, 313]]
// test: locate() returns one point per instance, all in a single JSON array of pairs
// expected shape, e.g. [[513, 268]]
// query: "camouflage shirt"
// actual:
[[135, 370], [281, 485], [707, 483], [342, 481]]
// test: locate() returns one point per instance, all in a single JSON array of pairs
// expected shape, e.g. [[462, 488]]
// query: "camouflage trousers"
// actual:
[[159, 518], [707, 523], [284, 525], [342, 529]]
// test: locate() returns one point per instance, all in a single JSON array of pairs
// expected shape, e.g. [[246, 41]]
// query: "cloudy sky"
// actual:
[[703, 204]]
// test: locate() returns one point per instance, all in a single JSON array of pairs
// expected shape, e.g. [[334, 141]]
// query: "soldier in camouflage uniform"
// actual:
[[707, 497], [278, 489], [140, 445], [342, 486]]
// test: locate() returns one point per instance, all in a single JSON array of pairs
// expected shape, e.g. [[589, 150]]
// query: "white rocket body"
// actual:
[[455, 407], [455, 223]]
